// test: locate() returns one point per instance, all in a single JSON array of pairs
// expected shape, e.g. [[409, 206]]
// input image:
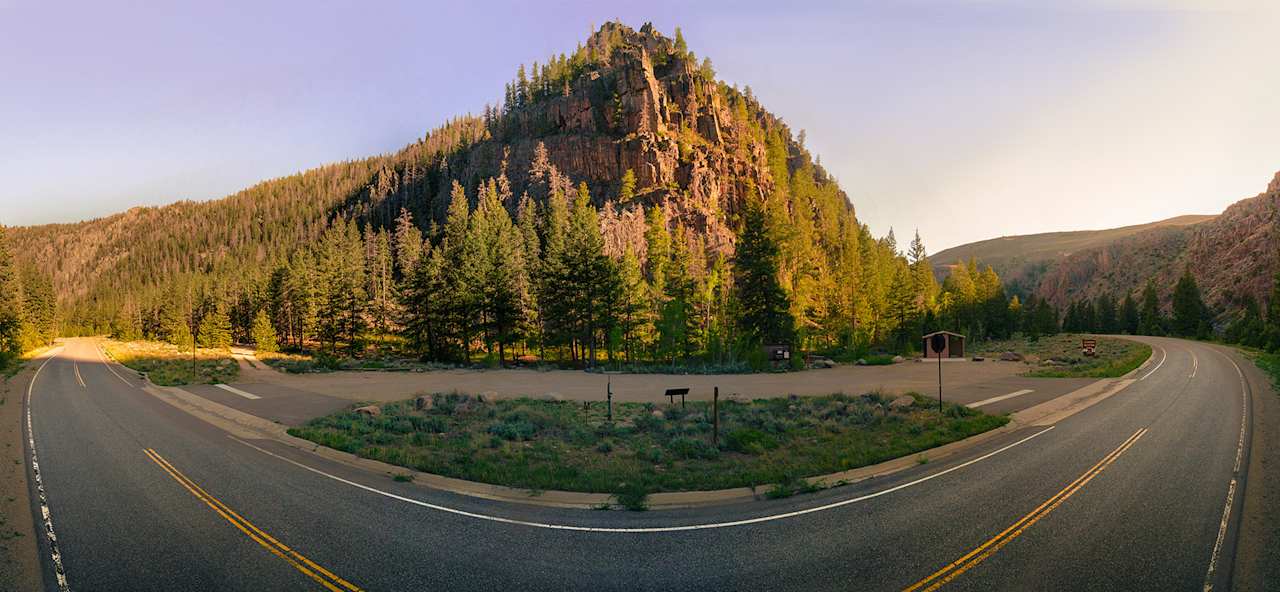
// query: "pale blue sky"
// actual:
[[965, 118]]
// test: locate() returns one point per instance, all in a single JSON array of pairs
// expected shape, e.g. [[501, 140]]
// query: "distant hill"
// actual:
[[1022, 260], [1230, 254]]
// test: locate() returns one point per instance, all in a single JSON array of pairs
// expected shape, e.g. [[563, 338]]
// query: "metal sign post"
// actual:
[[715, 417], [609, 396], [937, 343]]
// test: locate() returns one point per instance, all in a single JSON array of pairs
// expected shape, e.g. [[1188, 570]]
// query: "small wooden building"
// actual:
[[952, 345]]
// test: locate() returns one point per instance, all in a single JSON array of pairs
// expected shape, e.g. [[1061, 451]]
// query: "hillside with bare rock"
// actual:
[[1233, 254]]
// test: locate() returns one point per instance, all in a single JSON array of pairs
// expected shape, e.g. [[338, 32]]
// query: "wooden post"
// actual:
[[609, 395], [715, 417]]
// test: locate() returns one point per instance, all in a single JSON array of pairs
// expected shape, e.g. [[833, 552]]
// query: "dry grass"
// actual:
[[166, 365]]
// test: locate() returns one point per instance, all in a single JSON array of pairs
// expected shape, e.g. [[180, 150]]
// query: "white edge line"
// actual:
[[1164, 355], [45, 515], [1000, 398], [649, 529], [1235, 474], [237, 391], [103, 354]]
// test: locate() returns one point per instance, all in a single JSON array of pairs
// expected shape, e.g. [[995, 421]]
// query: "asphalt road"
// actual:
[[1126, 495]]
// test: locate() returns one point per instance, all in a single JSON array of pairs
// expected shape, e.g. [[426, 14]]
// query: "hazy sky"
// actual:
[[965, 118]]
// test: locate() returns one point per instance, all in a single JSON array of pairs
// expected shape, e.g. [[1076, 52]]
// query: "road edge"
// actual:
[[1255, 559]]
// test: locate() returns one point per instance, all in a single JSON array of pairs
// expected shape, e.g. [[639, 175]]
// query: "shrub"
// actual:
[[685, 447], [749, 441], [513, 430], [632, 496]]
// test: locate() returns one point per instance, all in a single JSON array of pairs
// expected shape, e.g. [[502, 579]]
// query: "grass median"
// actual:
[[1060, 356], [167, 365], [562, 445]]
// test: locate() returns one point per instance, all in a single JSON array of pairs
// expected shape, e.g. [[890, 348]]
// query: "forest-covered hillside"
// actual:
[[617, 198]]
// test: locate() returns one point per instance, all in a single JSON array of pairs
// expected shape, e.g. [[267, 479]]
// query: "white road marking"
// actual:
[[76, 365], [232, 389], [103, 355], [1195, 365], [654, 529], [1235, 475], [1164, 355], [1000, 398], [45, 515]]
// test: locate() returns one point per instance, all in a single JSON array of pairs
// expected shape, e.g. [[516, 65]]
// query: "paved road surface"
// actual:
[[1127, 495]]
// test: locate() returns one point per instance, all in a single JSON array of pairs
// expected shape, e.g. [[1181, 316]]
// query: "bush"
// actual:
[[513, 430], [632, 496], [686, 447], [749, 441], [878, 360]]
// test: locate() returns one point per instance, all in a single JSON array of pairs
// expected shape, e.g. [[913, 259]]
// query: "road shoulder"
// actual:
[[20, 567], [1256, 566]]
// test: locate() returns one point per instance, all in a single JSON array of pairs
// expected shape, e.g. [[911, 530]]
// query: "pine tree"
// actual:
[[426, 309], [628, 189], [503, 285], [10, 304], [462, 253], [1129, 317], [1190, 315], [215, 330], [1106, 321], [1150, 321], [408, 244], [264, 334], [381, 283], [764, 315]]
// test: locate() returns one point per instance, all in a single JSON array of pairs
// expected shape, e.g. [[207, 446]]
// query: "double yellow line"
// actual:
[[325, 577], [985, 550]]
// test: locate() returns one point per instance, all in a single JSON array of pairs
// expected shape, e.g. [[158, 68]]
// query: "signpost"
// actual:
[[609, 395], [715, 417], [937, 342], [676, 392], [1088, 346]]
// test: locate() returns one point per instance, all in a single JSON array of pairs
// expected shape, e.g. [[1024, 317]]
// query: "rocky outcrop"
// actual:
[[1231, 255]]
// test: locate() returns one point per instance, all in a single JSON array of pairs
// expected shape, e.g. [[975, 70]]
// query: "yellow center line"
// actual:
[[985, 550], [325, 577]]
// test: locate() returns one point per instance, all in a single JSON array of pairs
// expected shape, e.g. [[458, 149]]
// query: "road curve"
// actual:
[[1132, 493]]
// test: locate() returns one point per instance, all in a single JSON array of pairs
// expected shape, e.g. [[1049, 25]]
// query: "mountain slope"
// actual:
[[628, 105], [1230, 254]]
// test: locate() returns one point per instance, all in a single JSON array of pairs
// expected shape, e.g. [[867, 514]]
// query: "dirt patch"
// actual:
[[966, 382], [19, 559]]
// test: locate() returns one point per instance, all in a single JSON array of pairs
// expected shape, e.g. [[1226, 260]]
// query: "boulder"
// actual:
[[861, 362], [371, 410], [1011, 356], [424, 403], [658, 414], [552, 396], [902, 402], [898, 359]]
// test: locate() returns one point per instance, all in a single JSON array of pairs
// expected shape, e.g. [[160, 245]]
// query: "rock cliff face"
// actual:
[[1230, 255], [643, 105]]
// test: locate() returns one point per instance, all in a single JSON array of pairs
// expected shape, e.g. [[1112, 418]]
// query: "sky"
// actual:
[[962, 119]]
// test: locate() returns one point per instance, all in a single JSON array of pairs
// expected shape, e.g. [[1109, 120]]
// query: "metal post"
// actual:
[[939, 382], [609, 390], [715, 417]]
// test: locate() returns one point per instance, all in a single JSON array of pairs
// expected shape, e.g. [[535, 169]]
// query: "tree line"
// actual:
[[28, 306]]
